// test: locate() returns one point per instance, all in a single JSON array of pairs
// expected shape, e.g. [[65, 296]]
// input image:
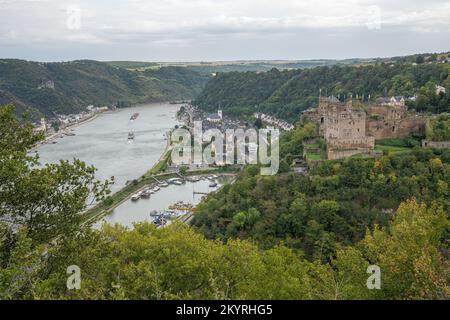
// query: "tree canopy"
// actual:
[[287, 93], [178, 263], [45, 199], [285, 237], [439, 129]]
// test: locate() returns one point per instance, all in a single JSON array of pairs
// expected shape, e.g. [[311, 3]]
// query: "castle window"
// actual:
[[322, 120]]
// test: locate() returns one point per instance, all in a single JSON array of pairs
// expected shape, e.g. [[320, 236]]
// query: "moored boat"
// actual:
[[134, 116], [136, 197], [145, 194], [154, 213], [160, 221]]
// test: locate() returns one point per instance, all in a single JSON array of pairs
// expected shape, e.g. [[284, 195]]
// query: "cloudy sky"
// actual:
[[205, 30]]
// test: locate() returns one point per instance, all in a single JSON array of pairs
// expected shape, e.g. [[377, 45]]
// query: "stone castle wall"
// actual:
[[395, 129], [436, 144], [345, 125], [350, 128], [336, 154], [364, 142], [387, 112], [341, 154]]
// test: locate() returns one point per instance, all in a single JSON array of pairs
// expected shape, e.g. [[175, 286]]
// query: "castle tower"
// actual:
[[220, 114]]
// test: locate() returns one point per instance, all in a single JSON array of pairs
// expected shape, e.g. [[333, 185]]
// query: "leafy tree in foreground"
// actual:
[[46, 200], [409, 254], [178, 263]]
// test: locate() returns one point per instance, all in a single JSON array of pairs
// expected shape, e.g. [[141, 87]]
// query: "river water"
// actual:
[[103, 142], [131, 212]]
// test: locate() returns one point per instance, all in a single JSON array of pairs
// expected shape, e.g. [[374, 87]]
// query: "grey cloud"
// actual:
[[221, 29]]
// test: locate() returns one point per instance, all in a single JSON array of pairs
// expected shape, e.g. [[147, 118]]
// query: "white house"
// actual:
[[215, 117], [440, 89]]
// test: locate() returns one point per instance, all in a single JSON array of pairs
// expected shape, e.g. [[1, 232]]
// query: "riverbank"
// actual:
[[104, 144], [73, 126], [152, 176], [115, 200], [155, 175], [107, 207]]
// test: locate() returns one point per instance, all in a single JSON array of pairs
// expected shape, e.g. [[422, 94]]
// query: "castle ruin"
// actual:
[[351, 127]]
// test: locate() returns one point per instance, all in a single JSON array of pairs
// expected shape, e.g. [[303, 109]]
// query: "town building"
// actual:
[[41, 126], [46, 84], [439, 90], [215, 117], [273, 122]]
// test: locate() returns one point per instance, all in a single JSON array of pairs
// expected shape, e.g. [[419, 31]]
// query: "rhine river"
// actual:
[[103, 142], [131, 212]]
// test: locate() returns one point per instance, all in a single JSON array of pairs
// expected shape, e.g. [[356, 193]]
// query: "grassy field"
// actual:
[[397, 145], [391, 149], [312, 146], [314, 156], [160, 166]]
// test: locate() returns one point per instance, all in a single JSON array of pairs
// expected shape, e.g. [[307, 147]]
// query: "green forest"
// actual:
[[333, 205], [78, 84], [285, 94], [281, 237], [212, 67], [439, 128]]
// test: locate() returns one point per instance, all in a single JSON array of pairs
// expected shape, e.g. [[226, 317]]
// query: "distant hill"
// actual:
[[286, 93], [210, 67], [69, 87], [239, 66]]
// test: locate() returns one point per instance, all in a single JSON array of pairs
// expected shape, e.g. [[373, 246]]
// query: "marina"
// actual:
[[164, 205]]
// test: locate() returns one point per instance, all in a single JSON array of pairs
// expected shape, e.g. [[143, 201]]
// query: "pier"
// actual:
[[181, 176], [157, 181]]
